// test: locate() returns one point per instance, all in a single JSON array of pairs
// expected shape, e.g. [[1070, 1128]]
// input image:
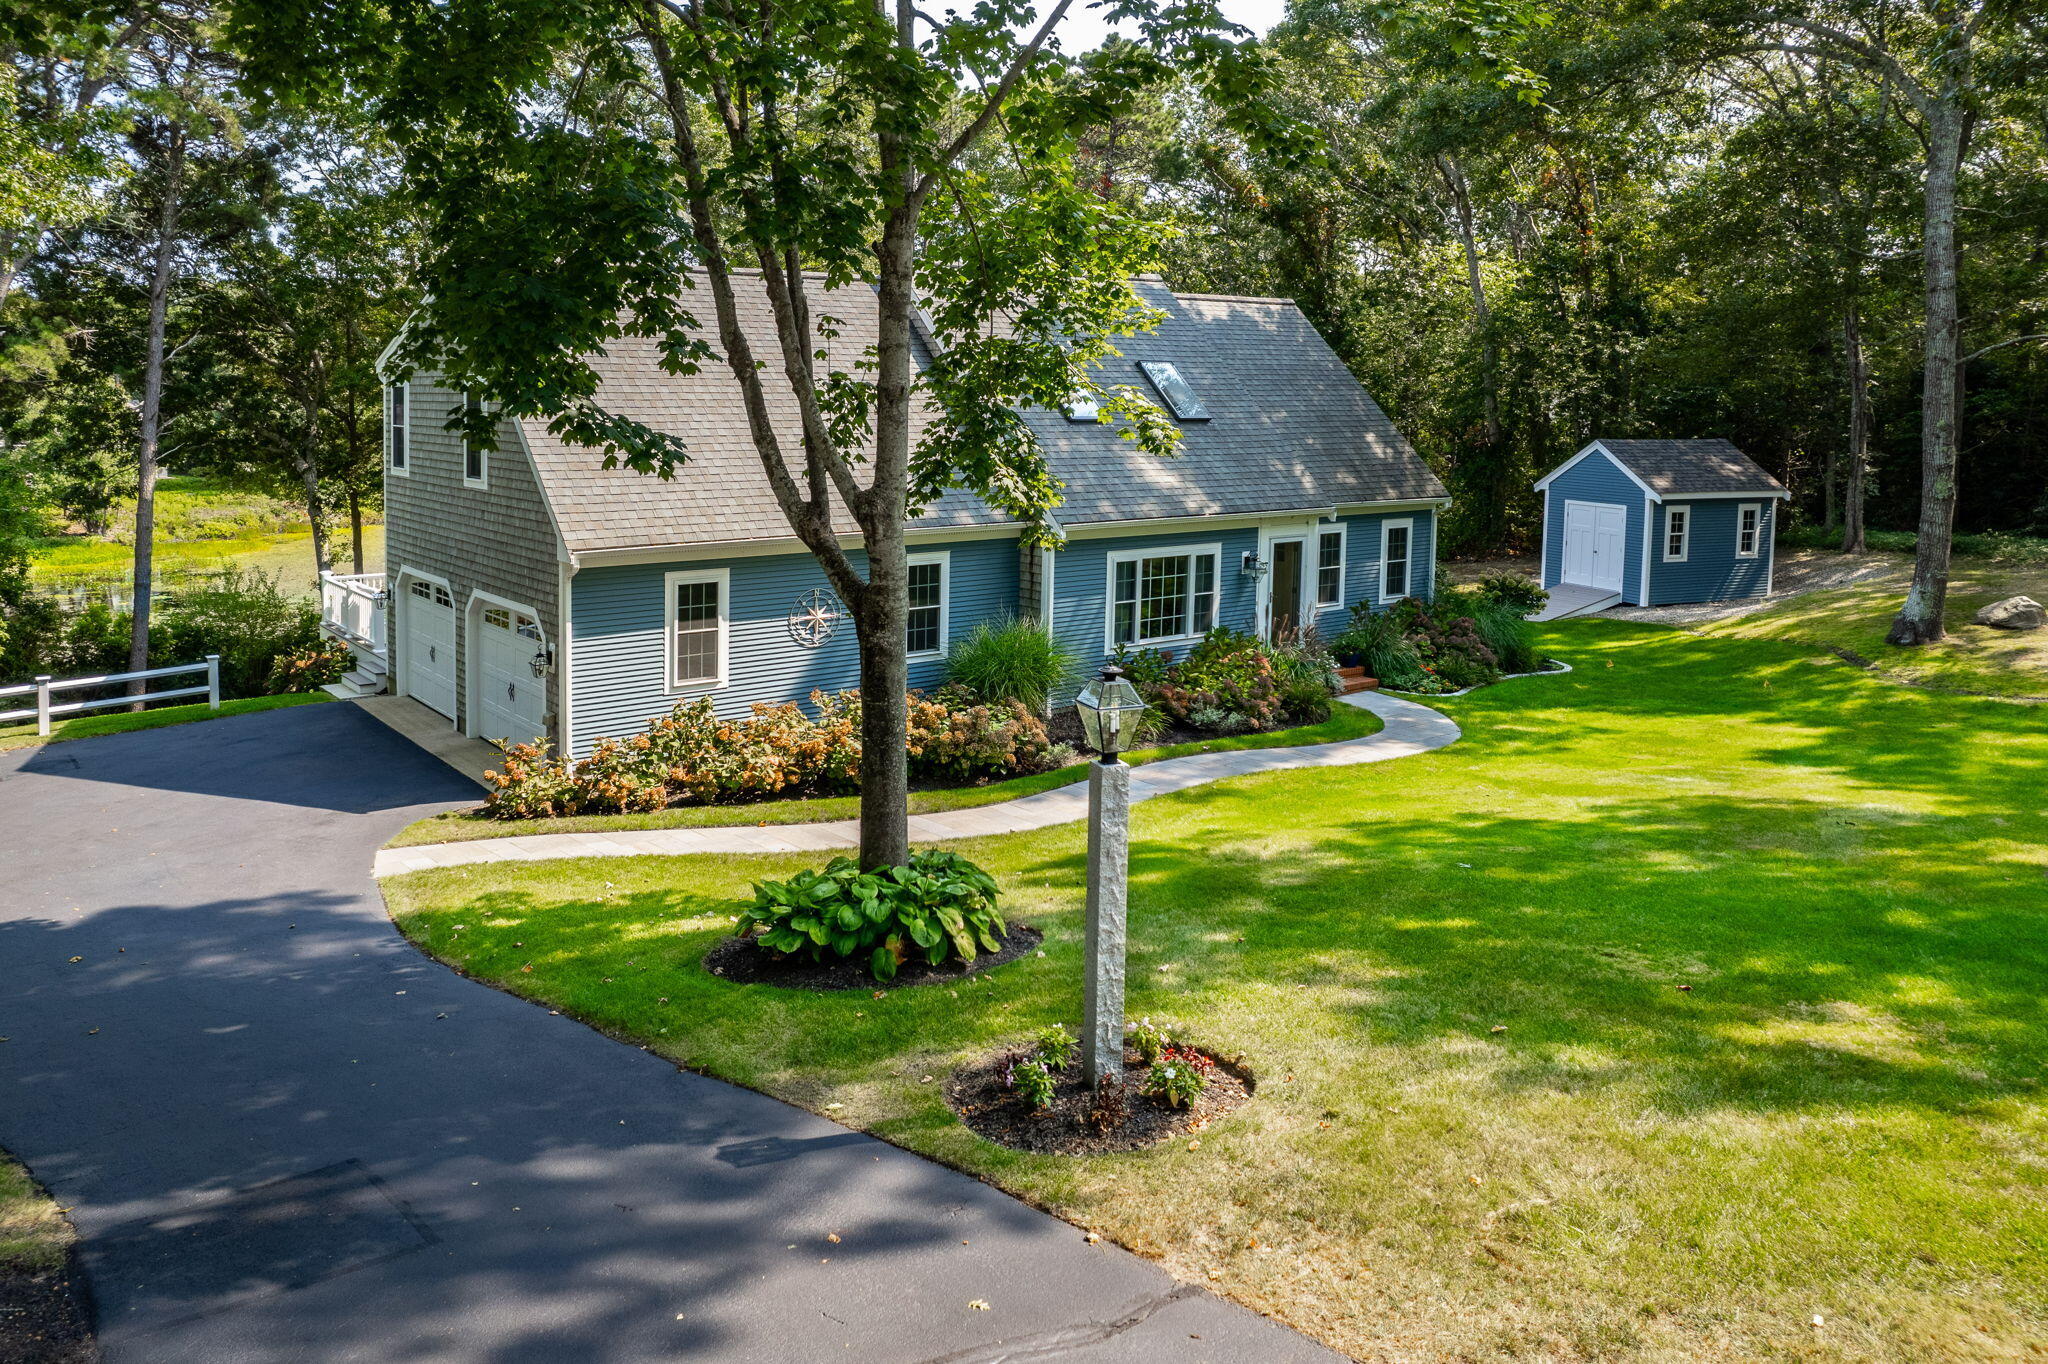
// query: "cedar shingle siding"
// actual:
[[495, 539]]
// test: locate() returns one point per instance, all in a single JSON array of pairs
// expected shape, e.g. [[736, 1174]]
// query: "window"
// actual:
[[1155, 597], [1749, 522], [1330, 568], [474, 456], [1083, 407], [927, 591], [1179, 394], [1395, 539], [1677, 532], [394, 431], [696, 628]]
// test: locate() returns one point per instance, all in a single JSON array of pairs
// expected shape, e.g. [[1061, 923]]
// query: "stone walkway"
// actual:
[[1409, 729]]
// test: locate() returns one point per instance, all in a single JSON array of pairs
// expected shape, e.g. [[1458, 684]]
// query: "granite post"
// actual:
[[1109, 834]]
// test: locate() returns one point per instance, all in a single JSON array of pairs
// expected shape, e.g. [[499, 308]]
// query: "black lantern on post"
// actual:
[[1109, 707]]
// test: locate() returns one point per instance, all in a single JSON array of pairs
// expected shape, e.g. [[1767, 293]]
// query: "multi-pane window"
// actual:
[[1162, 596], [1749, 520], [394, 406], [473, 454], [927, 619], [1330, 568], [1394, 555], [696, 629], [1677, 527]]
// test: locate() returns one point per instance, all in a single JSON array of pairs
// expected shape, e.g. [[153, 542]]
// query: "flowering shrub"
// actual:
[[939, 906], [308, 669], [1232, 681], [1179, 1076], [693, 756]]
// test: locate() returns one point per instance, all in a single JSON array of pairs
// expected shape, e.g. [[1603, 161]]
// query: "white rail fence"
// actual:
[[43, 688]]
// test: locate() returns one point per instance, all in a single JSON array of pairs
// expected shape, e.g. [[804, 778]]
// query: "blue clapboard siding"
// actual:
[[619, 618], [1711, 571], [1596, 478], [1363, 580], [1080, 582]]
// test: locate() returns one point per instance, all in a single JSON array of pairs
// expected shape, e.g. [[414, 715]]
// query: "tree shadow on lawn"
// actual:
[[1903, 974]]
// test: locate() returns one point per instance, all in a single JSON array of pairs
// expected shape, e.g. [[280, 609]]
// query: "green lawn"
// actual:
[[1842, 1118], [34, 1237], [1972, 658], [120, 722], [458, 826]]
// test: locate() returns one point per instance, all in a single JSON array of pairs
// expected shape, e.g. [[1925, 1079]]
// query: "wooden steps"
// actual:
[[1354, 679]]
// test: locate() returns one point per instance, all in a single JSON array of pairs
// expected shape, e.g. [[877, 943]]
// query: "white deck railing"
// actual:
[[44, 687], [352, 605]]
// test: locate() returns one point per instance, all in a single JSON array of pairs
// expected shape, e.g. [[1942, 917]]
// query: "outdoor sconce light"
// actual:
[[543, 661], [1253, 566], [1109, 707]]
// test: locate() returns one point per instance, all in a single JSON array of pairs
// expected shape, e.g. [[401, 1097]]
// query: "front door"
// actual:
[[1283, 618]]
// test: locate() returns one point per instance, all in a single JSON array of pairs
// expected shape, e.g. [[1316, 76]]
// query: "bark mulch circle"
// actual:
[[977, 1093], [742, 962]]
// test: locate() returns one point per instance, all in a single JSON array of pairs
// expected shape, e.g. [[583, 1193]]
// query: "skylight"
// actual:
[[1179, 394], [1082, 407]]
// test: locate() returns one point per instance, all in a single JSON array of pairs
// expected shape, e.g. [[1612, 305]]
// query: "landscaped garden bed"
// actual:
[[1078, 1120], [744, 962]]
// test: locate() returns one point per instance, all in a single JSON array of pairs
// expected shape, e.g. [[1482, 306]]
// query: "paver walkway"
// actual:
[[1409, 729], [286, 1137]]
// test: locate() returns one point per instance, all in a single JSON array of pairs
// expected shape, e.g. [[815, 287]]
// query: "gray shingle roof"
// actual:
[[1290, 429], [1677, 468]]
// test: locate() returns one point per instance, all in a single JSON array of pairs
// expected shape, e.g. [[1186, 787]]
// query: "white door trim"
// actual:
[[1262, 594], [1620, 574]]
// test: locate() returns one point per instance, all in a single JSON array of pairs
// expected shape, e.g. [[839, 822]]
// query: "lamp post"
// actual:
[[1109, 709]]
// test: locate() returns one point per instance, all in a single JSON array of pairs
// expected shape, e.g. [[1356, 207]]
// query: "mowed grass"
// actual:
[[34, 1237], [458, 826], [1972, 658], [1762, 938], [91, 724]]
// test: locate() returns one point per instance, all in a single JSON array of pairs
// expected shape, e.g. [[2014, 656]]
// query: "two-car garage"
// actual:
[[508, 660]]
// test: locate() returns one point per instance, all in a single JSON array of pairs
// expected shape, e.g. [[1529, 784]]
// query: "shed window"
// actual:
[[1677, 533], [697, 614], [1178, 392], [394, 433], [1330, 568], [1396, 537], [1749, 522], [1162, 596], [474, 456], [927, 616]]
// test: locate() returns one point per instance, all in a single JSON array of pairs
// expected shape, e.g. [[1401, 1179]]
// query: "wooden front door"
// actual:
[[1283, 619]]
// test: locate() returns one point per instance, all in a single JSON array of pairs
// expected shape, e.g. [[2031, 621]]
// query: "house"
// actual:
[[530, 591], [1657, 523]]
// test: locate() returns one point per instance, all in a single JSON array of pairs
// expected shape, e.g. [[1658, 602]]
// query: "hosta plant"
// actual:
[[939, 906]]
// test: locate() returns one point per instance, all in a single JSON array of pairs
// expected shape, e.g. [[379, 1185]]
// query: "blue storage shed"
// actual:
[[1658, 523]]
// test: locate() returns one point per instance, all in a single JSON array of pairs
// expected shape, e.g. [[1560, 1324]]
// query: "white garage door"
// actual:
[[510, 699], [1593, 536], [429, 658]]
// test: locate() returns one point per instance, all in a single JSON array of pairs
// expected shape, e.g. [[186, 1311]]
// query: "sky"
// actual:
[[1083, 28]]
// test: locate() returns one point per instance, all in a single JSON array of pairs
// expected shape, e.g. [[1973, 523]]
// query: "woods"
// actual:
[[1814, 228]]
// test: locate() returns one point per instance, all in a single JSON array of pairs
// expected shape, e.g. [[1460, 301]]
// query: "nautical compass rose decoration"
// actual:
[[814, 617]]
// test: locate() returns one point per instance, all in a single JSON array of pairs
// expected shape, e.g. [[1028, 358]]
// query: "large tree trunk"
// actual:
[[1482, 315], [1919, 619], [152, 406], [355, 526], [309, 479], [1858, 366]]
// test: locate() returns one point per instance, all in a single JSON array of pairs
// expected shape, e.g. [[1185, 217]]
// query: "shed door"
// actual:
[[1594, 533], [509, 696], [430, 646]]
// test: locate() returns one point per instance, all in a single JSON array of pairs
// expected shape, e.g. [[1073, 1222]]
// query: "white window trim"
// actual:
[[403, 470], [669, 583], [944, 559], [1682, 514], [1342, 531], [1122, 556], [1757, 545], [1407, 562], [483, 456]]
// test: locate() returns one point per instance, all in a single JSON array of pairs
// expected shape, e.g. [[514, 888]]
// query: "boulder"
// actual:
[[2014, 613]]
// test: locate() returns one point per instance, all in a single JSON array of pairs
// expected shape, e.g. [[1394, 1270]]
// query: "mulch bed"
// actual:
[[977, 1093], [46, 1318], [739, 960]]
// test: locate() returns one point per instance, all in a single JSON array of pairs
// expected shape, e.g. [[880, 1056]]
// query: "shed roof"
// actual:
[[1690, 468], [1290, 428]]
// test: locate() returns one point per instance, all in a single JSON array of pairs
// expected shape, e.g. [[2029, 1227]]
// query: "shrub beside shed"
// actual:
[[1660, 522]]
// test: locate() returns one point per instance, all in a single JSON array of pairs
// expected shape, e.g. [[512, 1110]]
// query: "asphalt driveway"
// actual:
[[285, 1135]]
